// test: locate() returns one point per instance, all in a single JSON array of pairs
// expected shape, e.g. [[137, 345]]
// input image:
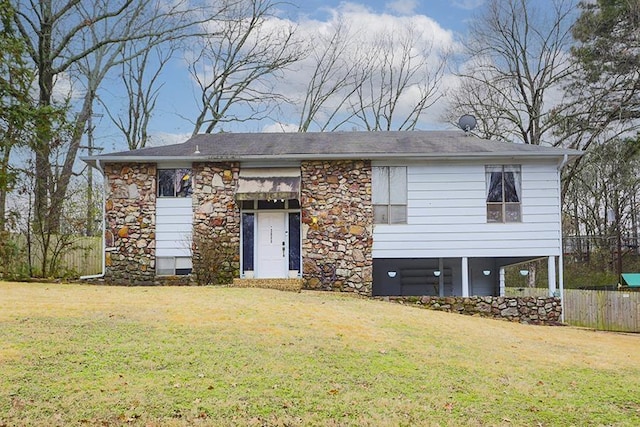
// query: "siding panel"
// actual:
[[446, 210], [174, 224]]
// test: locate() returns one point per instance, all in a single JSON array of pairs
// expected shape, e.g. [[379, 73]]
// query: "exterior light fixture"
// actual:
[[486, 272], [391, 273], [437, 273], [524, 272]]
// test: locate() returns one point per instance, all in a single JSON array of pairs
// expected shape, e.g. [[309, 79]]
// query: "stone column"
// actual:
[[337, 225], [215, 211], [130, 211]]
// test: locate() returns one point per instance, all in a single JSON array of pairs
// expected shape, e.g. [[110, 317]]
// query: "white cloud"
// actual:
[[365, 27], [402, 7], [158, 139], [64, 88], [467, 4], [280, 127]]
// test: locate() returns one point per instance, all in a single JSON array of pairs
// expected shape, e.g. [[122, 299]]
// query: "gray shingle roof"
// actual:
[[332, 145]]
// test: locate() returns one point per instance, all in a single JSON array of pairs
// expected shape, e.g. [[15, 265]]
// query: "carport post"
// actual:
[[502, 282], [551, 270], [441, 277], [561, 280], [465, 276]]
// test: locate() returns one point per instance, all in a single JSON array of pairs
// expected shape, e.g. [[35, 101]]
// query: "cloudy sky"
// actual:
[[444, 20]]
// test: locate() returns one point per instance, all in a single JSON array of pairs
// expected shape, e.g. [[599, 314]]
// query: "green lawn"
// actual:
[[89, 355]]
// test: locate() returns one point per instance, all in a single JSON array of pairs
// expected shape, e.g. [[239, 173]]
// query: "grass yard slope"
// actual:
[[176, 356]]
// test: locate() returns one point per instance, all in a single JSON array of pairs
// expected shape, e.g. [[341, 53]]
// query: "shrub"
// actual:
[[214, 258], [13, 264]]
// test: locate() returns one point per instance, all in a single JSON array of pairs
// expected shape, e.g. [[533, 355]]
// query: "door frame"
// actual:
[[254, 244], [284, 267]]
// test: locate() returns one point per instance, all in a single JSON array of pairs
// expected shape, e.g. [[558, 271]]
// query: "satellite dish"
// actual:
[[467, 122]]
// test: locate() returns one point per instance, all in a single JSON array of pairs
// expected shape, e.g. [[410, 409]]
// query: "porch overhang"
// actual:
[[269, 184]]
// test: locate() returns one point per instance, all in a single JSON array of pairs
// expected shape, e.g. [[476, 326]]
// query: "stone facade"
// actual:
[[337, 225], [215, 209], [130, 211], [530, 310]]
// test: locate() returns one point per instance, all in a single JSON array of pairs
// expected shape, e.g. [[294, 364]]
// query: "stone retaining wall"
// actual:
[[530, 310], [337, 225]]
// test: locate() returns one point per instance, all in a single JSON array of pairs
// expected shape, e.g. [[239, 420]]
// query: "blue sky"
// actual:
[[451, 14], [176, 103]]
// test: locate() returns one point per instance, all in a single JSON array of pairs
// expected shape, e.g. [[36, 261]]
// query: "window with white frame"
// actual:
[[504, 193], [174, 183], [389, 194], [173, 266]]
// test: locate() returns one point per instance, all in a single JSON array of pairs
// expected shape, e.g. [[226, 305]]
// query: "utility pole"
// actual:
[[90, 148]]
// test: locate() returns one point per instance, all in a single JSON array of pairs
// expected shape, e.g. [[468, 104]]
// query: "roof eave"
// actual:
[[334, 156]]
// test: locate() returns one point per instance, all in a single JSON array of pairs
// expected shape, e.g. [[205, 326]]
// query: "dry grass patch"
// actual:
[[292, 285], [72, 354]]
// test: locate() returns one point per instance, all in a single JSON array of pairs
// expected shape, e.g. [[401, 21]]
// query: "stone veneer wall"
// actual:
[[530, 310], [337, 225], [130, 211], [215, 209]]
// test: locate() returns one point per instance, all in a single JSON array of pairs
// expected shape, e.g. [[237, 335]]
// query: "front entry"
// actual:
[[272, 242]]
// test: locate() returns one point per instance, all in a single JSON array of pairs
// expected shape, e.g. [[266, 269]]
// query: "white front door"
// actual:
[[272, 245]]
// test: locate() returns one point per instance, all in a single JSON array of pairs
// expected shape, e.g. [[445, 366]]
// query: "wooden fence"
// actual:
[[602, 310], [86, 257], [81, 257]]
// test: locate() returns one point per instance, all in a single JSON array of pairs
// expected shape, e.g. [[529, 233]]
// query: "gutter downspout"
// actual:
[[564, 161], [104, 251]]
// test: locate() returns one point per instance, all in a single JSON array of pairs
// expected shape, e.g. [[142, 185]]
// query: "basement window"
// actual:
[[173, 266]]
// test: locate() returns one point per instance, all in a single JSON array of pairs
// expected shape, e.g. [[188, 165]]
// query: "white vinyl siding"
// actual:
[[174, 224], [446, 215]]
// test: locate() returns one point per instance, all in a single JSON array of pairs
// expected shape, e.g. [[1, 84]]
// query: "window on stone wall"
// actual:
[[173, 266], [174, 183], [389, 187]]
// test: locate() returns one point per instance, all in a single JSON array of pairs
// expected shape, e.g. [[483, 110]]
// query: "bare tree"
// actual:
[[79, 42], [516, 61], [335, 60], [602, 201], [235, 66], [399, 82], [141, 79]]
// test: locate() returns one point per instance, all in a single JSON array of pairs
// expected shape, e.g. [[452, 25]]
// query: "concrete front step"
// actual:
[[294, 285]]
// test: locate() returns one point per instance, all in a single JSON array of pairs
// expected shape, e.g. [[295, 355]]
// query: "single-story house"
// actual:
[[378, 213]]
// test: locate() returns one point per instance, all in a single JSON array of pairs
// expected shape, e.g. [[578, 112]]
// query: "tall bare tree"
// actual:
[[602, 202], [516, 61], [77, 42], [140, 77], [235, 66], [337, 64], [400, 81]]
